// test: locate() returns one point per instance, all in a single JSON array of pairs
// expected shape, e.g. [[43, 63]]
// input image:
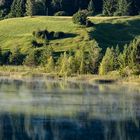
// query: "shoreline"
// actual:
[[89, 78]]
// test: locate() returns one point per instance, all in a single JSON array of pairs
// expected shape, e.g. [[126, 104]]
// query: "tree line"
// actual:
[[83, 60], [19, 8]]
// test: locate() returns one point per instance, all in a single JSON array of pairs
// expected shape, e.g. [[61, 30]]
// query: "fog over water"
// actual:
[[47, 109]]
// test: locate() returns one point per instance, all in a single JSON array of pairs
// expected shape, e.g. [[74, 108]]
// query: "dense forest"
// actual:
[[19, 8]]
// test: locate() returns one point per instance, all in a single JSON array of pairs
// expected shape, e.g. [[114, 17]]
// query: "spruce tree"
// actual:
[[134, 56], [30, 8], [94, 57], [50, 64], [13, 9], [107, 63], [109, 7], [123, 58], [64, 65], [123, 8], [91, 8], [17, 8]]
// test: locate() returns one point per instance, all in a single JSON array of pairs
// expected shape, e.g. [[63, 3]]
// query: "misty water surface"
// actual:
[[38, 109]]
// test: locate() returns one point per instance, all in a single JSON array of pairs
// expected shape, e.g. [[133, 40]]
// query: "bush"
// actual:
[[80, 18], [16, 57], [33, 59], [60, 13], [44, 34]]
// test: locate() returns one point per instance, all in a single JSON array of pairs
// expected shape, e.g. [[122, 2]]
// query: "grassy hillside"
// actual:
[[17, 32]]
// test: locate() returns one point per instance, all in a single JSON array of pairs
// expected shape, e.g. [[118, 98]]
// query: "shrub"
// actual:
[[60, 13], [80, 18], [41, 34], [33, 59], [45, 34], [16, 57]]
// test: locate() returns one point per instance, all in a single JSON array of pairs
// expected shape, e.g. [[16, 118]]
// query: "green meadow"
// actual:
[[108, 31]]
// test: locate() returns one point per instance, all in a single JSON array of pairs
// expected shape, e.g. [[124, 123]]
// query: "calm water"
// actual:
[[58, 110]]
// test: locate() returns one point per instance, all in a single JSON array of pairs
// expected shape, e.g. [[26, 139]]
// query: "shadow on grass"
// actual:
[[70, 35], [112, 34]]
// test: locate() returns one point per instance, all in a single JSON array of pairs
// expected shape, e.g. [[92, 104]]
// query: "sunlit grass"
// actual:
[[17, 32]]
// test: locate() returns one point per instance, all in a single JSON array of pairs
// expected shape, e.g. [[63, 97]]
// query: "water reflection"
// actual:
[[33, 109]]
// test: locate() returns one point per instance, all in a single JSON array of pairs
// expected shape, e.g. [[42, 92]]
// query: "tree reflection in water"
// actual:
[[58, 110]]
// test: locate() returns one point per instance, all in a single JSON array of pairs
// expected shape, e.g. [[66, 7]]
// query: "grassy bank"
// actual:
[[21, 72]]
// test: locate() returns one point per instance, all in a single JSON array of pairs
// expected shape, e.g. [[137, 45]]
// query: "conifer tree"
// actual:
[[94, 57], [17, 8], [30, 8], [134, 56], [107, 63], [50, 64], [109, 7], [47, 53], [91, 7], [123, 8], [82, 68], [123, 58], [64, 65], [13, 9]]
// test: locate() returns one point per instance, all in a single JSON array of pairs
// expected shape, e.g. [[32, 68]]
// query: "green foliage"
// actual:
[[134, 56], [33, 59], [91, 8], [45, 34], [64, 65], [79, 18], [123, 58], [123, 8], [116, 7], [47, 53], [30, 8], [50, 66], [68, 7], [16, 57], [94, 57], [109, 7], [17, 8], [108, 62]]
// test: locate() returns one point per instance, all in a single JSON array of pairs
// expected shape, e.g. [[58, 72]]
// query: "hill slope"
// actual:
[[17, 32]]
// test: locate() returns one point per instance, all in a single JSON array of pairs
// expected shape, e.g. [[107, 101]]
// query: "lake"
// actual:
[[48, 109]]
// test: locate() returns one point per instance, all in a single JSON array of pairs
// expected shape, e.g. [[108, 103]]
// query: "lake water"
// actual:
[[40, 109]]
